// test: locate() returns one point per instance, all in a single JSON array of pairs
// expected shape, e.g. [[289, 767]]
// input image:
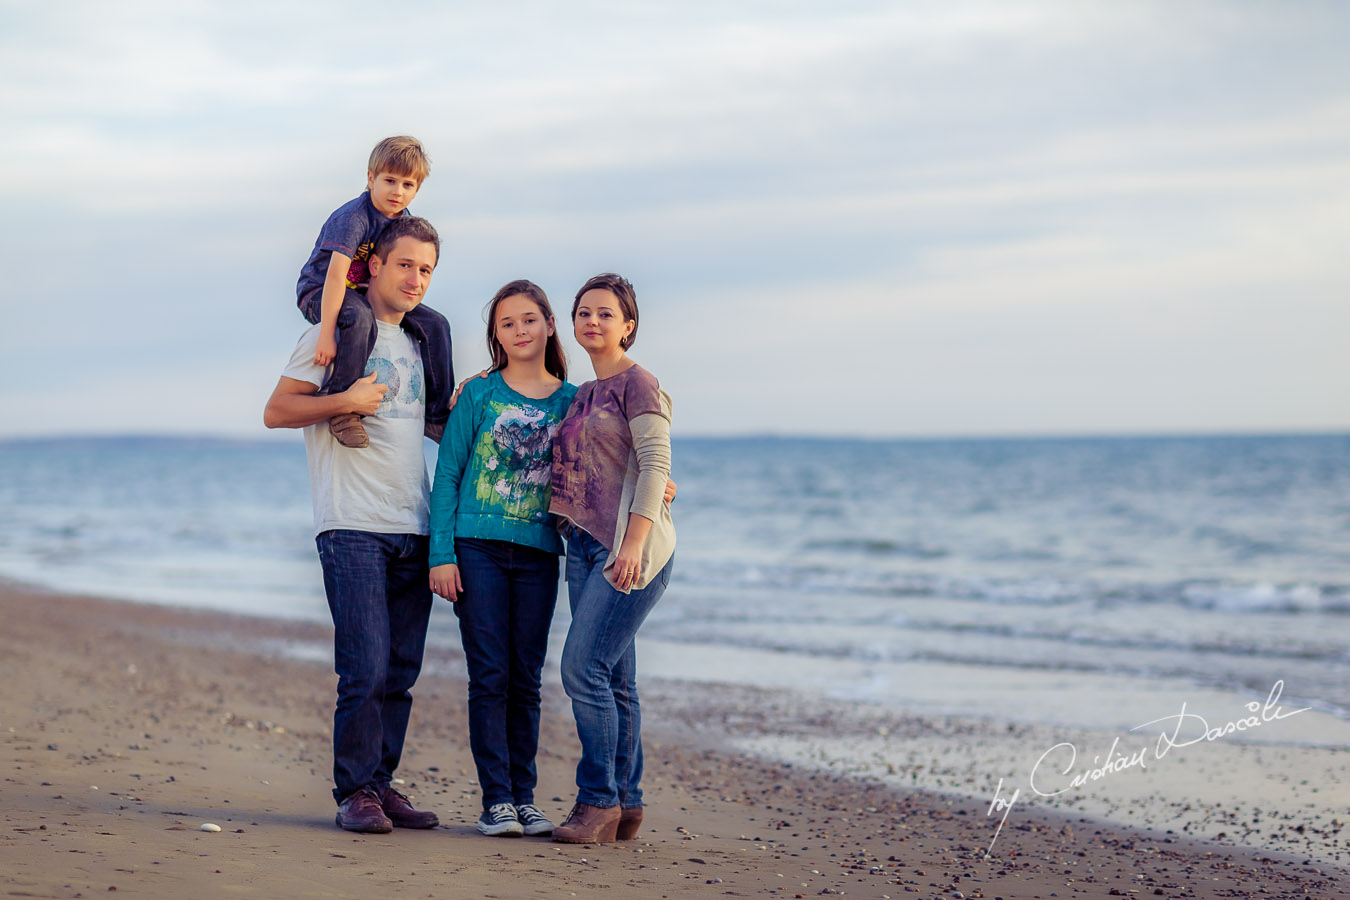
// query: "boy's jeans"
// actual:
[[504, 614], [380, 598], [599, 673], [356, 332]]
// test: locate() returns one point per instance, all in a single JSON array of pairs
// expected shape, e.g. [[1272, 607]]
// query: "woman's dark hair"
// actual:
[[622, 289], [555, 361]]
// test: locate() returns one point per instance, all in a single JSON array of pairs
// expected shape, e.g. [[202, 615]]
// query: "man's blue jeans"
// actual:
[[599, 673], [504, 614], [380, 598]]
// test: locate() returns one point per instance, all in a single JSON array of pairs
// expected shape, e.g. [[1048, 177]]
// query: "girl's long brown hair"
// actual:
[[555, 361]]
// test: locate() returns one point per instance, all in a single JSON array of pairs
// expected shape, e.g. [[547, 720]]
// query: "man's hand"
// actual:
[[364, 395], [670, 490], [327, 349], [445, 581]]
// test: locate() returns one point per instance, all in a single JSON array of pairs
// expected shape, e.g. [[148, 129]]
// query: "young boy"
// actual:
[[331, 290]]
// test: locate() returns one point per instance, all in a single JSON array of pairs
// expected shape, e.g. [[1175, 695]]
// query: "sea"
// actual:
[[921, 575]]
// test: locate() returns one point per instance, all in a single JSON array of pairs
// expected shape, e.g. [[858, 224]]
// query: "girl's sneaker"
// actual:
[[534, 822], [500, 820]]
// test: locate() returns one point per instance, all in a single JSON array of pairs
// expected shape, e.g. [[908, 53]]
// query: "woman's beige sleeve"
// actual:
[[651, 444]]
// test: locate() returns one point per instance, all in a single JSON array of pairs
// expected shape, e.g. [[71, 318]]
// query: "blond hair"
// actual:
[[402, 155]]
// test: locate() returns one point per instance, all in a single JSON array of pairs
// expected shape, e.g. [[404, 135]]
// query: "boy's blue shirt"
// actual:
[[351, 230], [494, 471]]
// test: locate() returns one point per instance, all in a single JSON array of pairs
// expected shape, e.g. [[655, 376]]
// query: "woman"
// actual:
[[611, 460], [494, 546]]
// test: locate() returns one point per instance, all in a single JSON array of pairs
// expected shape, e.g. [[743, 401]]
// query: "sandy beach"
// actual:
[[126, 728]]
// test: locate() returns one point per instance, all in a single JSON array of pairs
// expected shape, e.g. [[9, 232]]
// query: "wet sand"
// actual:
[[124, 728]]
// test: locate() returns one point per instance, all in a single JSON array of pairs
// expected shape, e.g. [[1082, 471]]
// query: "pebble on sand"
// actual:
[[210, 826]]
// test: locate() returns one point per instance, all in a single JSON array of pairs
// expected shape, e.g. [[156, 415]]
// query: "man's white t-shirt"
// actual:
[[381, 488]]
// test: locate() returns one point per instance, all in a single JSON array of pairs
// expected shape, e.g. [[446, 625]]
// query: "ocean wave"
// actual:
[[1318, 672], [879, 547], [1200, 594], [815, 629], [1268, 597]]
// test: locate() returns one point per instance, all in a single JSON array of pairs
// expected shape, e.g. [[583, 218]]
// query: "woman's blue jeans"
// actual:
[[380, 599], [504, 614], [599, 673]]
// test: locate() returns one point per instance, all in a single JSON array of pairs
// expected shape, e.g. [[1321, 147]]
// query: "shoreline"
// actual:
[[126, 726], [1259, 795], [964, 730]]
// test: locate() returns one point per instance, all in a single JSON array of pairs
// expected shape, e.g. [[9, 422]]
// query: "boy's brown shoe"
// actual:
[[401, 812], [349, 431], [589, 825], [360, 811]]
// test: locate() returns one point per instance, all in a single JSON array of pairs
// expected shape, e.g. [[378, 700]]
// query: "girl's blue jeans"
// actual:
[[504, 614]]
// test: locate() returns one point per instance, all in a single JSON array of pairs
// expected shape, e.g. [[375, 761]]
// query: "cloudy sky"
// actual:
[[878, 218]]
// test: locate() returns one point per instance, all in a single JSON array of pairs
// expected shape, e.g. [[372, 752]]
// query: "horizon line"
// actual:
[[285, 435]]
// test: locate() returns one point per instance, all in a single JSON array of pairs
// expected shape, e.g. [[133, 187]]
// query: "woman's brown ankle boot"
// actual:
[[629, 822], [587, 824]]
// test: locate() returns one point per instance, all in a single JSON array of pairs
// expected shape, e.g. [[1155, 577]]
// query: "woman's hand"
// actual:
[[628, 561], [454, 398], [445, 581], [670, 490], [628, 564]]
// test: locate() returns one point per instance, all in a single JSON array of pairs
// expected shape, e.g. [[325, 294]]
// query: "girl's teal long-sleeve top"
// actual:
[[494, 469]]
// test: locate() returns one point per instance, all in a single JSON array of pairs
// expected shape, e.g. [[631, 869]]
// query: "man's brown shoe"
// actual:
[[349, 431], [589, 825], [360, 811], [401, 812], [629, 822]]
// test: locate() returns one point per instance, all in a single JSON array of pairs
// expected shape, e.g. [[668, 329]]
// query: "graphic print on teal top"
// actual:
[[517, 454], [493, 470]]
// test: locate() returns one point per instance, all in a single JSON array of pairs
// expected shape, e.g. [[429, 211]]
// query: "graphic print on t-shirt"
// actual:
[[517, 454], [358, 273], [398, 366]]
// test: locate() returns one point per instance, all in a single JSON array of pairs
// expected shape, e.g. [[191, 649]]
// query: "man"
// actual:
[[370, 517]]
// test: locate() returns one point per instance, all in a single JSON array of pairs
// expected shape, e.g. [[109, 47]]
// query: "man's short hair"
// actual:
[[402, 155], [415, 227]]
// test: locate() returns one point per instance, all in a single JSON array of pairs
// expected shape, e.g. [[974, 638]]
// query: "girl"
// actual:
[[494, 546], [611, 460]]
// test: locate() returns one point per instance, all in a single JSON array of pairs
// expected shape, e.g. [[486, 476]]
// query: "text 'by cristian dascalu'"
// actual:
[[1057, 771]]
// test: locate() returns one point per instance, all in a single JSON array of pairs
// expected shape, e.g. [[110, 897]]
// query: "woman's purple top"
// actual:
[[592, 447]]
